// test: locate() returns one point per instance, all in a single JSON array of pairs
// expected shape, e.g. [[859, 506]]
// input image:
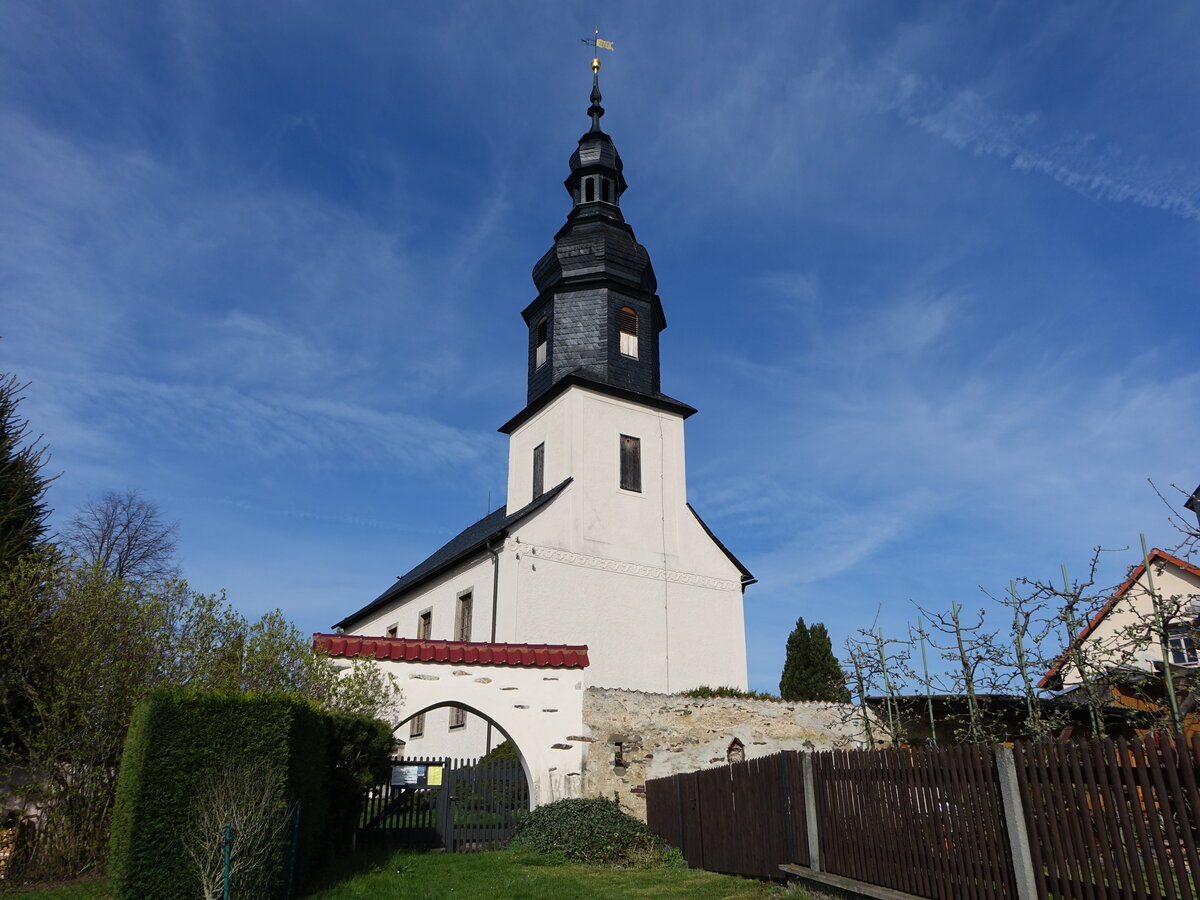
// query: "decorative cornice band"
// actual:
[[625, 568]]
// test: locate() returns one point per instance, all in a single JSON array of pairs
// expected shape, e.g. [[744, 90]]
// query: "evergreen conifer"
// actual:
[[811, 671]]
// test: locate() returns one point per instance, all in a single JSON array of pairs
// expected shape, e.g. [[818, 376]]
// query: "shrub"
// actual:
[[179, 744], [590, 830], [704, 692]]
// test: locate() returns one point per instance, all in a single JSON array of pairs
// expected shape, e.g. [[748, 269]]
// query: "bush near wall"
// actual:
[[177, 738]]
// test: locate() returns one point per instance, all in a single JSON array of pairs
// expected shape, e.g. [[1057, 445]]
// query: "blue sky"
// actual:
[[930, 272]]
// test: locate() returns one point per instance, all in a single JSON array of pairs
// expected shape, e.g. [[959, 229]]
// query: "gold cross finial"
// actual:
[[600, 44]]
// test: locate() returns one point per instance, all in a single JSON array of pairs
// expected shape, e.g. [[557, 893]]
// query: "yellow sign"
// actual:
[[603, 45], [435, 775]]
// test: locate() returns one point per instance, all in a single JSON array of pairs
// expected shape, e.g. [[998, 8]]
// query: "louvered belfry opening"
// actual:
[[627, 321], [543, 326]]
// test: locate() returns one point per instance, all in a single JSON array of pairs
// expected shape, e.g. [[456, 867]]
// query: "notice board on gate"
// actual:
[[417, 775]]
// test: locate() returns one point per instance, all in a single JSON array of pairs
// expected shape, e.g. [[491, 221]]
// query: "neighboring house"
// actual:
[[597, 544], [1119, 651]]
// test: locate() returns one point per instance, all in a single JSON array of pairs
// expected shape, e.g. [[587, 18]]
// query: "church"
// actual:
[[597, 547]]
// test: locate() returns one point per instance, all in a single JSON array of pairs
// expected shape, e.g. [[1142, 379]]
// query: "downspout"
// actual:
[[495, 579], [495, 604]]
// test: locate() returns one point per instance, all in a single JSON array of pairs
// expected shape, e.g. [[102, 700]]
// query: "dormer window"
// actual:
[[627, 321], [539, 353]]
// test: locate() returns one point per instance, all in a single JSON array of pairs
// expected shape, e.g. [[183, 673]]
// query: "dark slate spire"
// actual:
[[596, 110], [596, 318]]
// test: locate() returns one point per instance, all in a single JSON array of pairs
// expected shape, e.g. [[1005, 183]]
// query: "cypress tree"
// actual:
[[811, 671], [23, 509]]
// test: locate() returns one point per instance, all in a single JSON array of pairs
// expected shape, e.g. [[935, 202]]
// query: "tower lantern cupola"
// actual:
[[597, 316]]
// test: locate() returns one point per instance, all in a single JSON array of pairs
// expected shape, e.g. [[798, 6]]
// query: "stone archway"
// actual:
[[532, 693]]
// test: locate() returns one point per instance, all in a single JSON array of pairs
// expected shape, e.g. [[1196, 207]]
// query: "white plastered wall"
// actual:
[[539, 708], [631, 574], [1123, 637], [440, 597]]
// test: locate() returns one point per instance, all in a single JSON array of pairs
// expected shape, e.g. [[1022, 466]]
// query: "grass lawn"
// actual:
[[519, 875], [527, 875]]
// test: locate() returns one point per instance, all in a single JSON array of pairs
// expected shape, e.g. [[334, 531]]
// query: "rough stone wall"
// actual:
[[636, 736]]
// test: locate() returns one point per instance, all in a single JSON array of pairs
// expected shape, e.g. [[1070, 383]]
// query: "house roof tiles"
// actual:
[[547, 656]]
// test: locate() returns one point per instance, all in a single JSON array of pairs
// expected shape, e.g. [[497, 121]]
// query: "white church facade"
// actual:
[[597, 553]]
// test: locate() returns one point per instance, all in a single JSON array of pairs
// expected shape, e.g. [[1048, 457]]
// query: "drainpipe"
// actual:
[[495, 601], [496, 578]]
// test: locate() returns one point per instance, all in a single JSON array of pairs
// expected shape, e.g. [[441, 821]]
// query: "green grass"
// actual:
[[527, 875], [512, 874]]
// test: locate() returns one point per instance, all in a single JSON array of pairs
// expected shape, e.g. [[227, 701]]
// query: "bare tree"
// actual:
[[125, 535], [242, 794]]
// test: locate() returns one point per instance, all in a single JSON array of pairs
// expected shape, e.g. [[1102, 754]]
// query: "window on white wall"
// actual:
[[393, 630], [425, 625], [1182, 642], [631, 463], [462, 617], [539, 470]]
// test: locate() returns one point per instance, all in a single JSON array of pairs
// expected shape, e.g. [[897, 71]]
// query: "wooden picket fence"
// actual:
[[459, 805], [1093, 820]]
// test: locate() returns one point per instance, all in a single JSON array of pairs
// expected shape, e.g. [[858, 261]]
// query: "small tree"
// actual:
[[125, 535], [244, 795], [811, 671]]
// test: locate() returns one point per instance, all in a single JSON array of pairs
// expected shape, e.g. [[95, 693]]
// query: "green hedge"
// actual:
[[177, 738]]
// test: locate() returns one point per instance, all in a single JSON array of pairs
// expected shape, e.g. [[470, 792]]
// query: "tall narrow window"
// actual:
[[589, 190], [424, 632], [627, 321], [631, 464], [539, 353], [462, 632], [462, 618], [606, 190], [539, 470]]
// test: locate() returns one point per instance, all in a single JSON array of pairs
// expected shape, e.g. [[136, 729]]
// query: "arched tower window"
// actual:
[[539, 353], [627, 321], [606, 190], [589, 190]]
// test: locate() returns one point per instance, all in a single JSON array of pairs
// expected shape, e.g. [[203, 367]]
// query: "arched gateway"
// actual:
[[532, 692]]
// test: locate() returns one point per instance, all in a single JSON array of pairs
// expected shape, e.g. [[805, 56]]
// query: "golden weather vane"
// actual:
[[600, 44]]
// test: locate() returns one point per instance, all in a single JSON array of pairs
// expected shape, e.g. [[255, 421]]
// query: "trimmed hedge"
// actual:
[[590, 830], [178, 737]]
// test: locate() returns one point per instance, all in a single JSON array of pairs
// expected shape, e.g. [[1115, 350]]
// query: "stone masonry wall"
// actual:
[[635, 736]]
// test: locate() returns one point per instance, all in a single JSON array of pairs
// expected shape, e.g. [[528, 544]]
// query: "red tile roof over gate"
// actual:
[[552, 656]]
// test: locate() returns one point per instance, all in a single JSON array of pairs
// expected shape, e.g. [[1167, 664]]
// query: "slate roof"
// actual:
[[747, 577], [467, 542], [581, 378], [553, 656]]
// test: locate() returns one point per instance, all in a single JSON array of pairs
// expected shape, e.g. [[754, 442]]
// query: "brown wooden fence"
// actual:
[[1113, 820], [1089, 820]]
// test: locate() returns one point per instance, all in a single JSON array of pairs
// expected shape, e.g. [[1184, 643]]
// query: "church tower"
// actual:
[[596, 544], [627, 548], [596, 315]]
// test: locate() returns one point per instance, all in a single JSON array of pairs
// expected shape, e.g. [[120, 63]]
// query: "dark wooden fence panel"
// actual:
[[926, 822], [1113, 820]]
